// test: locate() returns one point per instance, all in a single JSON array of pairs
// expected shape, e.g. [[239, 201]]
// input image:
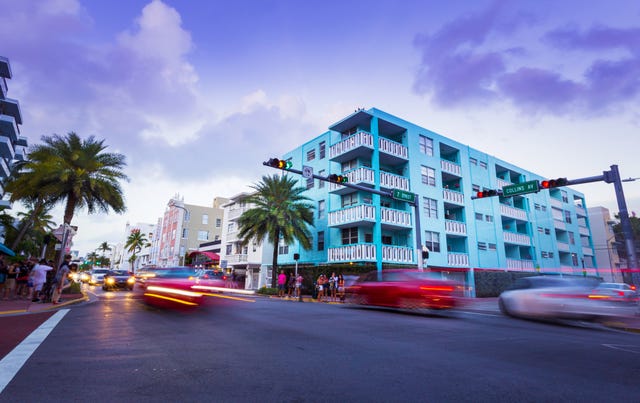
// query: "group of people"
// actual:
[[289, 286], [34, 280], [330, 289]]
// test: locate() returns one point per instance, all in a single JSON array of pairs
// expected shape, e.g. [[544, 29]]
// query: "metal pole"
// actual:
[[627, 230], [416, 212]]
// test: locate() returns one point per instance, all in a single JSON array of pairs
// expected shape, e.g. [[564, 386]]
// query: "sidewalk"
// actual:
[[22, 306]]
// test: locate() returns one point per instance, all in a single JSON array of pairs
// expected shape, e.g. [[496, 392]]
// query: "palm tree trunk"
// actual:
[[274, 261]]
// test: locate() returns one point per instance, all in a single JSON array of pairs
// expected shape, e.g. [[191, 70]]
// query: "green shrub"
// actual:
[[267, 291], [74, 288]]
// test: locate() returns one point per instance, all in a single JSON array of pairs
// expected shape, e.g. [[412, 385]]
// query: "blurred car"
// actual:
[[84, 276], [97, 276], [172, 287], [116, 279], [554, 297], [405, 289], [620, 292]]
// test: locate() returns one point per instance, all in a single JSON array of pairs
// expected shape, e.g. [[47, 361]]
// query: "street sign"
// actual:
[[404, 195], [307, 172], [521, 188]]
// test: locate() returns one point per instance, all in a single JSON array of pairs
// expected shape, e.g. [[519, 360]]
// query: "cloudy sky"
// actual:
[[196, 94]]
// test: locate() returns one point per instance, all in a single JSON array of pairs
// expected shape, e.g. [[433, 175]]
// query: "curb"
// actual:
[[34, 309]]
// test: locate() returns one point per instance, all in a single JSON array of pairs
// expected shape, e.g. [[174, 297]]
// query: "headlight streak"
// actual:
[[174, 291], [147, 294], [228, 297], [222, 289]]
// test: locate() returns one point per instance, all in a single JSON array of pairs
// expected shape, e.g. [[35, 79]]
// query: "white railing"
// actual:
[[513, 212], [237, 212], [237, 258], [397, 254], [395, 217], [500, 183], [458, 259], [391, 147], [514, 237], [346, 253], [563, 247], [393, 181], [450, 167], [360, 139], [519, 264], [452, 196], [362, 212], [362, 175], [455, 227]]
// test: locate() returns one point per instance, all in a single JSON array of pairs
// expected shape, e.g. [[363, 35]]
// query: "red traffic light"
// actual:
[[278, 163], [487, 193], [338, 178], [553, 183]]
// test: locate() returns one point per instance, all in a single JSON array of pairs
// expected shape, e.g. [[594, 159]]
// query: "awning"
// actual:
[[6, 251], [211, 255]]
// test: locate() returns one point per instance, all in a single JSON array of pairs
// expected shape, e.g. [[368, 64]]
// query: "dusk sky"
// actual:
[[196, 94]]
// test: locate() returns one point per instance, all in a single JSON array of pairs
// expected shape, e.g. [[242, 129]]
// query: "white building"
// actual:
[[606, 254], [143, 257]]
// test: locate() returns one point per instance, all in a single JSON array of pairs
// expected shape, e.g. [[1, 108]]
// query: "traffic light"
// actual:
[[278, 163], [338, 178], [553, 183], [487, 193]]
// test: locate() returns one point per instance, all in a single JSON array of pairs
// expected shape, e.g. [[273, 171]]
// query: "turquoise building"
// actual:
[[539, 231]]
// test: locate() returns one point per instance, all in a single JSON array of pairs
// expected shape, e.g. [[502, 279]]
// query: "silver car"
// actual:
[[97, 276]]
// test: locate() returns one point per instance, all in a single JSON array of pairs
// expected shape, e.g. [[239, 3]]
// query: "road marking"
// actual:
[[481, 314], [630, 348], [12, 362]]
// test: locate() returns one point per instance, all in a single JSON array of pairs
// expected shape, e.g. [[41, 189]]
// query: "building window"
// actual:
[[349, 235], [574, 259], [205, 219], [229, 248], [483, 164], [230, 227], [432, 241], [368, 238], [541, 230], [321, 209], [567, 217], [536, 206], [543, 208], [572, 238], [320, 240], [544, 255], [473, 161], [283, 249], [185, 233], [311, 155], [349, 165], [387, 240], [551, 255], [430, 207], [321, 183], [475, 188], [350, 199], [479, 216], [565, 198], [216, 238], [428, 175], [547, 231], [482, 246], [492, 246], [488, 218], [310, 182], [426, 145], [323, 146], [218, 222], [203, 235]]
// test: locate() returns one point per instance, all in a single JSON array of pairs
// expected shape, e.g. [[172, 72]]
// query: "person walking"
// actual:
[[39, 277], [321, 287], [333, 287], [282, 283], [62, 279], [341, 291], [299, 280], [291, 286], [10, 282]]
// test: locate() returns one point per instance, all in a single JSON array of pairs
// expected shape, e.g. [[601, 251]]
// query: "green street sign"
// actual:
[[520, 188], [404, 195]]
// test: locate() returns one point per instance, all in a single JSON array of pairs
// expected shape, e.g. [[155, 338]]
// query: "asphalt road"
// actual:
[[118, 349]]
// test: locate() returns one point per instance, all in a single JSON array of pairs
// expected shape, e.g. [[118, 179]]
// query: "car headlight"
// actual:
[[110, 280], [131, 280]]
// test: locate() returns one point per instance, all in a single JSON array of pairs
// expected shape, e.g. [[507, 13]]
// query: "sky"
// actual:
[[197, 94]]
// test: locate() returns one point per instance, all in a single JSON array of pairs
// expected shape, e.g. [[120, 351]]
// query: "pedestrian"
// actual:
[[39, 277], [282, 283], [10, 282], [299, 280], [291, 285], [62, 279], [22, 277], [321, 287]]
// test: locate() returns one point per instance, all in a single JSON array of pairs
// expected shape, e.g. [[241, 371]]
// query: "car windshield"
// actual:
[[100, 271], [119, 273], [175, 272]]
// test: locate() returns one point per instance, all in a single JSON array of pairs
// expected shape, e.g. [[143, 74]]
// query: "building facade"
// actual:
[[544, 231], [13, 144], [122, 254], [606, 254]]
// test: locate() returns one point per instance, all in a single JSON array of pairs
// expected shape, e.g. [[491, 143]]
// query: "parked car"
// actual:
[[97, 276], [406, 289], [619, 292], [555, 297], [116, 279]]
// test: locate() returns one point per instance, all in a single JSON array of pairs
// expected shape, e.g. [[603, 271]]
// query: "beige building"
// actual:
[[607, 259]]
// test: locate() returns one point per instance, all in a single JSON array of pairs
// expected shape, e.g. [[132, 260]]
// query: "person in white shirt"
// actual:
[[39, 276]]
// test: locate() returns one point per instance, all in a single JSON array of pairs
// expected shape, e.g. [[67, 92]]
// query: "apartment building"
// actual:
[[540, 231], [184, 228], [12, 144], [606, 253], [122, 255]]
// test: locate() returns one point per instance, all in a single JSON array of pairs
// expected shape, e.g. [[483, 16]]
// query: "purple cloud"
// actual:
[[597, 38]]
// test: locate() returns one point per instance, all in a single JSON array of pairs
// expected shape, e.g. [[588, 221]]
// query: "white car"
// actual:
[[97, 276]]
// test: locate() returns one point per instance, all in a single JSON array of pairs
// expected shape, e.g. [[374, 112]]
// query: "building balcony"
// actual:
[[516, 238], [236, 212], [580, 211], [350, 253], [354, 146], [583, 231], [392, 153], [458, 259], [512, 212], [11, 107], [3, 87], [450, 167], [563, 247], [354, 215], [237, 258], [500, 183], [359, 176], [519, 264], [556, 202], [455, 227], [397, 254], [393, 181], [394, 219], [587, 251], [559, 224], [8, 127], [7, 151], [4, 169], [451, 196]]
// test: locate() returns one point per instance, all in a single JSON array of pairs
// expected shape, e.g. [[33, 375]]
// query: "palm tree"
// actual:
[[135, 242], [280, 212], [92, 257], [72, 171], [104, 246]]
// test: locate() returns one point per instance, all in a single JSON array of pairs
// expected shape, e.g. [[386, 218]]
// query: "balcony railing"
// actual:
[[393, 181], [455, 227], [450, 167], [513, 212], [514, 237], [587, 251], [556, 202], [559, 224], [563, 247], [453, 196], [397, 254], [348, 253], [457, 259], [392, 148], [395, 217], [583, 231], [519, 264], [354, 214], [237, 212], [237, 258], [360, 139], [580, 211]]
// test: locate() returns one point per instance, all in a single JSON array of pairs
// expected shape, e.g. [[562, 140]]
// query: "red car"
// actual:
[[176, 287], [406, 289]]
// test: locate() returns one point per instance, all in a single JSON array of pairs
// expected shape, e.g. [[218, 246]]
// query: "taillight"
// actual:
[[633, 287], [437, 288]]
